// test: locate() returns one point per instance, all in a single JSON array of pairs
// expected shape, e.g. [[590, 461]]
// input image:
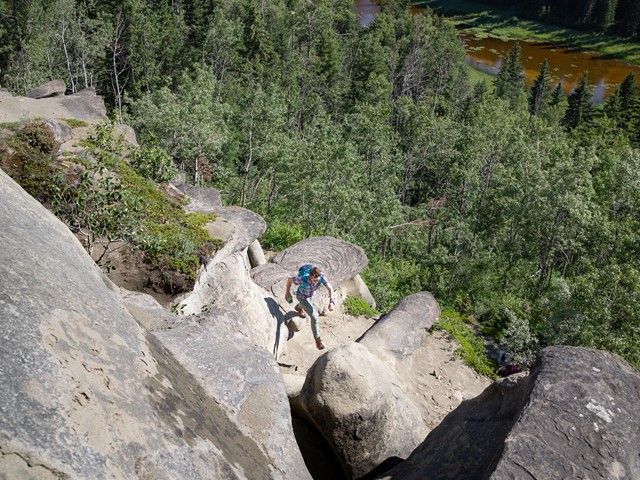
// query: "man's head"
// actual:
[[314, 274]]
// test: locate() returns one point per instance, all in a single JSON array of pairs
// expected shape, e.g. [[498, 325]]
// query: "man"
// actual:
[[308, 283]]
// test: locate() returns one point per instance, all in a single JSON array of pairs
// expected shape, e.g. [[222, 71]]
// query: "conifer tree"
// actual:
[[556, 96], [510, 81], [579, 107], [540, 94]]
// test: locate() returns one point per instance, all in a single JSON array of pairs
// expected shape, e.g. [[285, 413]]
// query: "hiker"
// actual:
[[309, 279]]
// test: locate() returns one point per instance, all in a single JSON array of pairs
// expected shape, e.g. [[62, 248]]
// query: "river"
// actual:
[[567, 64]]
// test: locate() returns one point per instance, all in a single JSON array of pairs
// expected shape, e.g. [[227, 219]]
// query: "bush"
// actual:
[[281, 235], [471, 349], [356, 306], [38, 135], [153, 163]]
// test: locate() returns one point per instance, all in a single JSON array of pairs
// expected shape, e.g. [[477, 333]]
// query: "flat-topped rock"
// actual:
[[50, 89], [574, 416], [399, 333], [88, 107]]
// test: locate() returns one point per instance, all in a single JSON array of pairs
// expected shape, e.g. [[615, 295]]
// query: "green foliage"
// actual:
[[280, 235], [153, 163], [472, 349], [75, 123], [38, 136], [356, 306]]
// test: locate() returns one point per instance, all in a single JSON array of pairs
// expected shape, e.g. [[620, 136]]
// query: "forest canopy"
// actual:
[[512, 204]]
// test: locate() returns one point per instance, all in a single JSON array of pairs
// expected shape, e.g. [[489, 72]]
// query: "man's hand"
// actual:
[[288, 297], [331, 305]]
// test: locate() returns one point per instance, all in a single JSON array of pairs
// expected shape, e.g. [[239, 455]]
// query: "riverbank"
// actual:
[[482, 21]]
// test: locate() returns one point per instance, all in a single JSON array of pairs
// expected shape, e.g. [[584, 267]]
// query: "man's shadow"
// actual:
[[281, 317]]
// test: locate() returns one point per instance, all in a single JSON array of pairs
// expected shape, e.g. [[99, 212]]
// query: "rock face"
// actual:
[[86, 392], [358, 404], [86, 106], [399, 333], [50, 89], [574, 416]]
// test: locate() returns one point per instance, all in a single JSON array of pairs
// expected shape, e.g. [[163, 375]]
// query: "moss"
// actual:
[[74, 122], [356, 306], [471, 349]]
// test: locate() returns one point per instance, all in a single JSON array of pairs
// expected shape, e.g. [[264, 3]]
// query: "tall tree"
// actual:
[[510, 81], [579, 104], [540, 94]]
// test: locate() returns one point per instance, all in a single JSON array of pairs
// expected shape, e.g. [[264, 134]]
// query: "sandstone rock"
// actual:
[[127, 134], [358, 404], [256, 254], [399, 333], [574, 416], [50, 89], [88, 107], [357, 288], [86, 392], [206, 200], [60, 130]]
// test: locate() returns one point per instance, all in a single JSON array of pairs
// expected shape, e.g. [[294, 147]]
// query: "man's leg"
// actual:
[[313, 315]]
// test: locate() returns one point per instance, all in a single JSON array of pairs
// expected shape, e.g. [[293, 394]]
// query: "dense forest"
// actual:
[[621, 17], [514, 205]]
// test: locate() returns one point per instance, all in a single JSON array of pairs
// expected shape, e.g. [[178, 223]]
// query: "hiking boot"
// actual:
[[301, 312], [319, 344]]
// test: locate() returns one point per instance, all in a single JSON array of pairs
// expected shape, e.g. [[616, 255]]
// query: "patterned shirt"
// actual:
[[307, 289]]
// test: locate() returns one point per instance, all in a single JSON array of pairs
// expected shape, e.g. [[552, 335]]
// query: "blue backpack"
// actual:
[[303, 272]]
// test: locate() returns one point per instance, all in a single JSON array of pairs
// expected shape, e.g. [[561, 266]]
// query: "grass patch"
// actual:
[[13, 126], [356, 306], [476, 76], [483, 21], [74, 122], [471, 347]]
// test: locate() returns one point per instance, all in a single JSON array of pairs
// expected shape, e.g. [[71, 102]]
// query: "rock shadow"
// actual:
[[280, 316]]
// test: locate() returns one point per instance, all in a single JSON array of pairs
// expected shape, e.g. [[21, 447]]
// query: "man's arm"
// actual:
[[332, 302], [287, 294]]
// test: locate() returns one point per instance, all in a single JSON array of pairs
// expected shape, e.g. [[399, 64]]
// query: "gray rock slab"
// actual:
[[358, 404], [60, 130], [85, 391], [400, 332], [574, 416], [50, 89], [88, 107]]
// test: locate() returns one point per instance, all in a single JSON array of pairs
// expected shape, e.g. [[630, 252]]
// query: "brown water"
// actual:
[[567, 64]]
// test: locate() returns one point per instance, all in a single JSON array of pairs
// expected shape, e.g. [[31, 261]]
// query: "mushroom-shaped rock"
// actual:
[[399, 333], [358, 404], [85, 390], [49, 89], [86, 107], [574, 416], [201, 199], [340, 260]]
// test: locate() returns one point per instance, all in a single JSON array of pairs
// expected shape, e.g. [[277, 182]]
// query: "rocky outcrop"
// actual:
[[86, 392], [86, 106], [358, 404], [53, 88], [574, 416], [399, 333]]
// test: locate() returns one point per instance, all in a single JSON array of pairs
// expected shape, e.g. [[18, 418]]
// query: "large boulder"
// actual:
[[86, 392], [53, 88], [357, 402], [87, 107], [399, 333], [60, 130], [574, 416]]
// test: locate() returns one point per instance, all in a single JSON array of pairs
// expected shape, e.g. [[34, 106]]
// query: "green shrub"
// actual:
[[153, 163], [74, 122], [471, 349], [280, 235], [356, 306], [37, 135]]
